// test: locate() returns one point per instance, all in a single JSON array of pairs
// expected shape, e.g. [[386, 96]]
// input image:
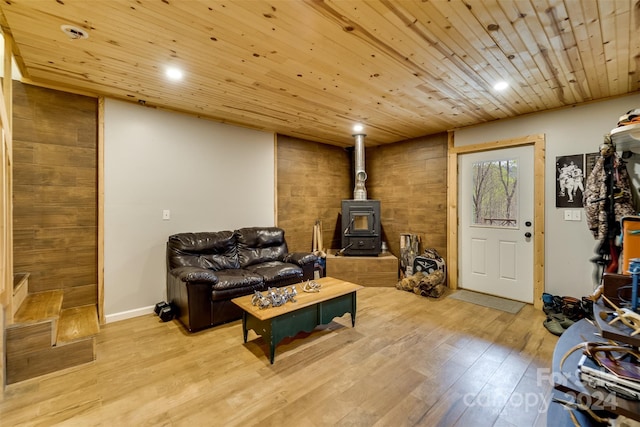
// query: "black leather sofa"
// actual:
[[206, 270]]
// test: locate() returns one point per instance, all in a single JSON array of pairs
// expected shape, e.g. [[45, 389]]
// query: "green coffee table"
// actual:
[[335, 299]]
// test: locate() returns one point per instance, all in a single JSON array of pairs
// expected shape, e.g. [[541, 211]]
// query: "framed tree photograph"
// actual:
[[569, 181]]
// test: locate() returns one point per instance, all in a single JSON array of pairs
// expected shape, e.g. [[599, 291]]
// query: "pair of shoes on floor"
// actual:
[[567, 306], [557, 323], [551, 304]]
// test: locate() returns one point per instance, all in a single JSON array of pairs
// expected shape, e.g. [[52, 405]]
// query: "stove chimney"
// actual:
[[359, 191]]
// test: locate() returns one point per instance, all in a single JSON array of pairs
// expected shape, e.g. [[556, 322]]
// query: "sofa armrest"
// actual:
[[300, 258], [189, 292], [195, 275]]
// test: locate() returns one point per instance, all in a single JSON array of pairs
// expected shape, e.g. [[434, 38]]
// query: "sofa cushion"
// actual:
[[276, 271], [235, 283], [260, 244], [237, 278], [212, 250]]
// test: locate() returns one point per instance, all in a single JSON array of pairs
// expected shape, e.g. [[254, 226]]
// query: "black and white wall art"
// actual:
[[570, 180]]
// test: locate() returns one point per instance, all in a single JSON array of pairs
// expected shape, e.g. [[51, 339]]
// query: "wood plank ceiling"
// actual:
[[313, 68]]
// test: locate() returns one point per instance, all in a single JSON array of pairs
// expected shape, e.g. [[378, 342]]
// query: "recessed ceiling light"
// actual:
[[74, 33], [174, 73], [358, 128], [500, 86]]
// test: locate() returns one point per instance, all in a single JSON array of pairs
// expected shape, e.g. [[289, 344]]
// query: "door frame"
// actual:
[[538, 142]]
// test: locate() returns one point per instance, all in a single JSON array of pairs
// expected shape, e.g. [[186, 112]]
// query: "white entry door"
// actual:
[[496, 222]]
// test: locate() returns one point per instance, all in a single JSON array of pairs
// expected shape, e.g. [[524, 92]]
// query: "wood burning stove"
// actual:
[[361, 234]]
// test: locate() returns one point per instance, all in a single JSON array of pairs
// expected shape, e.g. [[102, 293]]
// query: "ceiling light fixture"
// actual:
[[500, 86], [74, 33], [174, 73]]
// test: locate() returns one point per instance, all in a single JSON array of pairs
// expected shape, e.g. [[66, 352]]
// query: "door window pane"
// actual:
[[495, 193]]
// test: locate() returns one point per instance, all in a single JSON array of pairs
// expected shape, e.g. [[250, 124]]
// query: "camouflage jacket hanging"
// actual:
[[596, 197]]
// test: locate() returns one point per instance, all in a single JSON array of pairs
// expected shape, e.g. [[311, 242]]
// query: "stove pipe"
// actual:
[[359, 191]]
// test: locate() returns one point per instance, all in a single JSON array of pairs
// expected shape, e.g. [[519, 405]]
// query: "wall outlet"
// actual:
[[166, 214], [567, 215], [575, 216]]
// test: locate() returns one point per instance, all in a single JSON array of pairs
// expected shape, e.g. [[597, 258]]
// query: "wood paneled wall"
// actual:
[[410, 180], [313, 179], [54, 191]]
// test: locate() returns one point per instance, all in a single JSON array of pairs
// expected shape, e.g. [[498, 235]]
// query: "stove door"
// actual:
[[361, 223]]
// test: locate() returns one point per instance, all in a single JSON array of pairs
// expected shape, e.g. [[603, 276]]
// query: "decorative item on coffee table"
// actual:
[[311, 286], [275, 297]]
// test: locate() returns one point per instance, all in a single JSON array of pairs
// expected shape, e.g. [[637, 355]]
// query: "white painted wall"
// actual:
[[569, 245], [211, 176]]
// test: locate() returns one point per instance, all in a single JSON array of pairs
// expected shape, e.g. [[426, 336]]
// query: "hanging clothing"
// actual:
[[596, 197]]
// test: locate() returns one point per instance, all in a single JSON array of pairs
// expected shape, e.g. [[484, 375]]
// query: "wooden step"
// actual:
[[19, 279], [47, 339], [30, 365], [41, 311], [28, 338], [40, 306], [77, 323], [20, 291]]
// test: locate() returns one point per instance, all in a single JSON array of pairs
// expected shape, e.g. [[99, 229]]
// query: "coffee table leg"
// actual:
[[244, 325], [353, 309], [272, 350]]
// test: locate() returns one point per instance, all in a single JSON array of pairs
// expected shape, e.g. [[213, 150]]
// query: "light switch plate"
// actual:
[[575, 216], [166, 214], [567, 215]]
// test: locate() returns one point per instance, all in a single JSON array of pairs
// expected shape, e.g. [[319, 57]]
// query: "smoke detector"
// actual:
[[74, 33]]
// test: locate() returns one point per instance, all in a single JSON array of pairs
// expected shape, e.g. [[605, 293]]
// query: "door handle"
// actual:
[[527, 234]]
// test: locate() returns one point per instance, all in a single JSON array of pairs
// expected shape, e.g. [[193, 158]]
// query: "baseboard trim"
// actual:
[[123, 315]]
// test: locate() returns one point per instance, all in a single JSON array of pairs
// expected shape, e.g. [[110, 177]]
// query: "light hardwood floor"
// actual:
[[409, 361]]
